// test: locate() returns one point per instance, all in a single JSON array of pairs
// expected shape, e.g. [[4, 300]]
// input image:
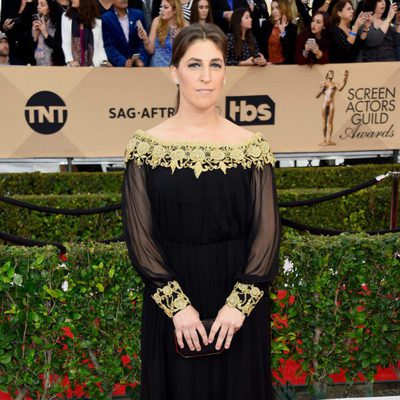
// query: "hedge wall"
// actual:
[[365, 210], [339, 309], [287, 178]]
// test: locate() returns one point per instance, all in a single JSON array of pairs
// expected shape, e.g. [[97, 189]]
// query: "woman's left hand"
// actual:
[[260, 60], [229, 320]]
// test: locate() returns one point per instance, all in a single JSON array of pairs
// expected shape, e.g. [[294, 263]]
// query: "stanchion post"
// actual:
[[394, 209], [69, 165]]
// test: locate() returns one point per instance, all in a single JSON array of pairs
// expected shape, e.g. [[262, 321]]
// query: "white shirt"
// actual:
[[124, 21]]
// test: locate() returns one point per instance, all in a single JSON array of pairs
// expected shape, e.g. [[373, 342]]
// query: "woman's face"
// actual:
[[75, 3], [200, 73], [43, 8], [204, 8], [347, 13], [245, 23], [380, 7], [317, 24], [275, 11], [167, 12]]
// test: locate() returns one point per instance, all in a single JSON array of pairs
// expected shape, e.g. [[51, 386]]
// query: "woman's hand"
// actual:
[[229, 320], [142, 33], [314, 48], [41, 25], [392, 11], [260, 60], [188, 325], [8, 24], [283, 23], [73, 64], [359, 22]]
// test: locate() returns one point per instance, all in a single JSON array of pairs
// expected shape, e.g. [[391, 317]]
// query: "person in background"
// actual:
[[313, 42], [104, 6], [223, 9], [5, 58], [46, 33], [383, 38], [279, 34], [64, 4], [201, 12], [346, 41], [242, 45], [123, 46], [82, 38], [162, 33]]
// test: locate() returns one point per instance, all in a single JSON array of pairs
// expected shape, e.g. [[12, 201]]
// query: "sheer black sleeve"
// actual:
[[262, 263], [146, 255]]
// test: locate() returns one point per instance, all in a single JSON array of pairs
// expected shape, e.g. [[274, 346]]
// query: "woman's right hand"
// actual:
[[142, 34], [392, 11], [188, 325], [359, 21]]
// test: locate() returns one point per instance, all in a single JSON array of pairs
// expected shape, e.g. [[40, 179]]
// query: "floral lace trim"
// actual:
[[244, 297], [171, 298], [146, 149]]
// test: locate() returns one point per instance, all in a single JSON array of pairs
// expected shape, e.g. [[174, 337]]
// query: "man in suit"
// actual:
[[123, 46]]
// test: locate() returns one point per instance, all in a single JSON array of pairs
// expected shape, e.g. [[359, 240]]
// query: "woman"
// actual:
[[163, 30], [46, 33], [242, 45], [82, 39], [382, 37], [313, 43], [202, 228], [201, 12], [346, 41], [279, 34]]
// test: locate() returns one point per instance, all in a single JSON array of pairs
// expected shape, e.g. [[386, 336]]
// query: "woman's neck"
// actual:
[[198, 122], [377, 16], [243, 33], [106, 3], [344, 24], [318, 35]]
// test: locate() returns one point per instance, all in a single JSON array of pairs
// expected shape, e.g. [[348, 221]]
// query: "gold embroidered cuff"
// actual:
[[171, 298], [244, 297]]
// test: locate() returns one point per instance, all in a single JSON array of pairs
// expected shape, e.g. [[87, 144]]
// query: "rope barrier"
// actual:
[[287, 222], [21, 241], [346, 192], [63, 211]]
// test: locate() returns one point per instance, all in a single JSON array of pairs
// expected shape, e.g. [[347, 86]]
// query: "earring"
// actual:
[[176, 82], [224, 81]]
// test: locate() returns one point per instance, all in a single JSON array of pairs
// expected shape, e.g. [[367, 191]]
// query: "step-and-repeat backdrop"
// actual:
[[92, 112]]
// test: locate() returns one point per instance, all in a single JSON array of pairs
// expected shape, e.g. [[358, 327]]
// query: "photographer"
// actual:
[[313, 42], [382, 37], [46, 33]]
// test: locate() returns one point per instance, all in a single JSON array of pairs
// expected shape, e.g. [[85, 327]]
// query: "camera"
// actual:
[[35, 17]]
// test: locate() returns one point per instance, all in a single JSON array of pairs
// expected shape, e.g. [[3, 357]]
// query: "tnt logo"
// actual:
[[46, 113], [250, 110]]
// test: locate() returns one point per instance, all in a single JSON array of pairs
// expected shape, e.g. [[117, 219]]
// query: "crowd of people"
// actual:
[[140, 33]]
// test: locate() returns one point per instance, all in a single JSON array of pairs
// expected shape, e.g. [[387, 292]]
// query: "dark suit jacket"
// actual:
[[117, 48], [288, 42], [9, 9], [218, 8]]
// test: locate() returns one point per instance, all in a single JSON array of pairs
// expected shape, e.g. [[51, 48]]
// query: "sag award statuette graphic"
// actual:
[[328, 90]]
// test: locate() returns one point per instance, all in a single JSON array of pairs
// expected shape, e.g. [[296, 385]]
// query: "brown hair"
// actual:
[[236, 21], [187, 36], [335, 19], [162, 28], [284, 8], [88, 11], [194, 12]]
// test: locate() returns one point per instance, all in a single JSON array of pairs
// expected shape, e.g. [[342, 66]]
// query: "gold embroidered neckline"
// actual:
[[144, 148], [180, 143]]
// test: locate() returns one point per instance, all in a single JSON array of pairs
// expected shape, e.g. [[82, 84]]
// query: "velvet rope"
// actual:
[[21, 241], [309, 202], [329, 232], [51, 210]]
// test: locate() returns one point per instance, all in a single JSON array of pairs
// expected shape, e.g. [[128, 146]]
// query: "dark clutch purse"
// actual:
[[208, 350]]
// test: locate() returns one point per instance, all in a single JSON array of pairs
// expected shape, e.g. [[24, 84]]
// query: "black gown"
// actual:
[[204, 216]]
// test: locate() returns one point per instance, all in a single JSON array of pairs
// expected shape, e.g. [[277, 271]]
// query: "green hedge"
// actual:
[[287, 178], [341, 310], [361, 211]]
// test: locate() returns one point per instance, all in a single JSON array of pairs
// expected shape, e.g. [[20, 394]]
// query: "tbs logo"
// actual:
[[46, 113], [250, 110]]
